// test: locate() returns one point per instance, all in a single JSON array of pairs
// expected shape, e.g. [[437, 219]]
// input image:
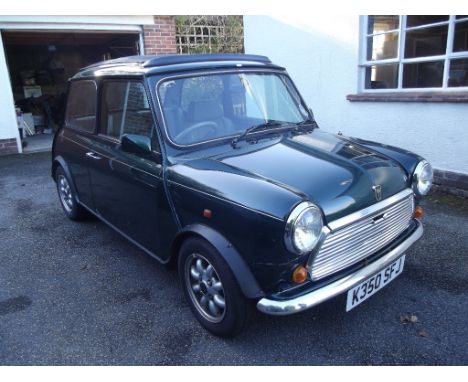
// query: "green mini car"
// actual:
[[215, 164]]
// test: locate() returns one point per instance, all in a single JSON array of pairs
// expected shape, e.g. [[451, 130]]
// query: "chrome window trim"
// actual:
[[240, 69], [358, 215]]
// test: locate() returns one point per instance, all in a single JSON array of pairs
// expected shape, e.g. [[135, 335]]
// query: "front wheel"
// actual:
[[211, 289]]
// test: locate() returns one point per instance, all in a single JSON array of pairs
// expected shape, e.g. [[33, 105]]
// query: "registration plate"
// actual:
[[373, 284]]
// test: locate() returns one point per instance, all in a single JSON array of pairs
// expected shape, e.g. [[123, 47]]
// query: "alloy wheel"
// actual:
[[205, 288], [65, 193]]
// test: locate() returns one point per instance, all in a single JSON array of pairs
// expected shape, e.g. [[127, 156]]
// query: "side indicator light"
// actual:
[[207, 213]]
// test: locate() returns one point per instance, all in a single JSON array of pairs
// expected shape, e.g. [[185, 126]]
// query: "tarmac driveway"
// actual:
[[78, 293]]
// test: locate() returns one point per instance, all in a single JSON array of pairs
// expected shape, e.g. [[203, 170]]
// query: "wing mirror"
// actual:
[[137, 144]]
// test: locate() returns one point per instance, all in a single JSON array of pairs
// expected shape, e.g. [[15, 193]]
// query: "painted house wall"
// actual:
[[321, 53], [8, 125]]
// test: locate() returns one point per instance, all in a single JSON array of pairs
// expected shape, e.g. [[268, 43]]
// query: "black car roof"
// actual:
[[152, 61], [144, 64]]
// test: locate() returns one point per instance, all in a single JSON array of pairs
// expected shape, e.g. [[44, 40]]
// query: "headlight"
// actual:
[[422, 178], [303, 228]]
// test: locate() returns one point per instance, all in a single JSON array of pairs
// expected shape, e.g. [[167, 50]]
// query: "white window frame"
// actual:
[[400, 60]]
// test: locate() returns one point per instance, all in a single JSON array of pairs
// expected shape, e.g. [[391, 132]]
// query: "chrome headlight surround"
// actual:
[[422, 178], [305, 220]]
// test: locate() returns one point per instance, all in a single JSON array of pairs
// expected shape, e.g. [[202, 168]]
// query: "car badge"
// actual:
[[377, 192]]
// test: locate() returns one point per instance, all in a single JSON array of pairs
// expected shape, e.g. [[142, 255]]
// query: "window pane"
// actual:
[[423, 74], [382, 77], [426, 42], [112, 108], [458, 75], [460, 42], [415, 21], [201, 108], [382, 46], [138, 117], [125, 109], [81, 107], [379, 24], [461, 16]]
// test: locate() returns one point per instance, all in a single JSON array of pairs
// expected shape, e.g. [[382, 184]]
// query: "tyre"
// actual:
[[211, 289], [67, 196]]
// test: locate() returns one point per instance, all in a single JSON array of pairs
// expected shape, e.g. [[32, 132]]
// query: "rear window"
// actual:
[[81, 106]]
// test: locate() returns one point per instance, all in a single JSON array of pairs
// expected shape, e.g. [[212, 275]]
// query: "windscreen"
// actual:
[[203, 108]]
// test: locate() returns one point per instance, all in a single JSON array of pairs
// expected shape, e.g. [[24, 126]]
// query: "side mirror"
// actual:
[[137, 144]]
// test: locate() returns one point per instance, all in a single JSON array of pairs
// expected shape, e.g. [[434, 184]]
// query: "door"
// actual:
[[127, 187], [77, 136]]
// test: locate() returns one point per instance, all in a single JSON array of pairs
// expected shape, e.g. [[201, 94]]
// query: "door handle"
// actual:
[[93, 155]]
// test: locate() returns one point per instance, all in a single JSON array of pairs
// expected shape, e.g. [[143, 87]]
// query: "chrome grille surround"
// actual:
[[359, 235]]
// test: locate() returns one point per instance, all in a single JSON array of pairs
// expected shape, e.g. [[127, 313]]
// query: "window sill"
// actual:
[[455, 97]]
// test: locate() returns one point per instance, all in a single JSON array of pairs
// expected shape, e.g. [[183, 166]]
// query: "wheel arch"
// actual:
[[236, 263], [57, 162]]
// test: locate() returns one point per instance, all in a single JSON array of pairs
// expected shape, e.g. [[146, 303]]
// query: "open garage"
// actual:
[[39, 53], [39, 66]]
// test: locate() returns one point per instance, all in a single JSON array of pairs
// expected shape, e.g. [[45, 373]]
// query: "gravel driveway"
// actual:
[[78, 293]]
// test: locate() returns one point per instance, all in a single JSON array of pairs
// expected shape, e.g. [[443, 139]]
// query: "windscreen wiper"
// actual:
[[261, 126], [309, 123]]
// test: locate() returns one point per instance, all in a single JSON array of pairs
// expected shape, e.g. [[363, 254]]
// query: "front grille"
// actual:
[[354, 242]]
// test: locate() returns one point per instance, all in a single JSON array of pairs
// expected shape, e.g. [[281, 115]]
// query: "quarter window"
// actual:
[[81, 106], [427, 52]]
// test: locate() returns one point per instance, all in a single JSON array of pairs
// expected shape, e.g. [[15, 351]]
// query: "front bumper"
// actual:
[[298, 304]]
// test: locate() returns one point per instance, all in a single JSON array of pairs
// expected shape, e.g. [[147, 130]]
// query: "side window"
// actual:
[[81, 106], [125, 110]]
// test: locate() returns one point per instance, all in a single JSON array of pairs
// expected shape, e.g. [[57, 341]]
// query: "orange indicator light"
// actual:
[[299, 275], [418, 212]]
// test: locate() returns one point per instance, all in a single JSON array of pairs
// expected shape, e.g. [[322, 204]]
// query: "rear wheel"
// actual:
[[67, 196], [211, 289]]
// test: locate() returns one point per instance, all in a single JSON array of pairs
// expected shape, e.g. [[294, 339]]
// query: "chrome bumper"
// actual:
[[298, 304]]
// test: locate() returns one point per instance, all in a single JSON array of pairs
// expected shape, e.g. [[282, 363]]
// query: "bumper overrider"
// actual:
[[335, 288]]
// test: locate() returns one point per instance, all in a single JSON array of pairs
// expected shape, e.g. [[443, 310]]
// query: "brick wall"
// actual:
[[8, 146], [452, 182], [160, 38]]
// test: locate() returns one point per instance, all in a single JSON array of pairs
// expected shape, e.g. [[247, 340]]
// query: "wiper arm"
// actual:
[[309, 124], [307, 121], [261, 126]]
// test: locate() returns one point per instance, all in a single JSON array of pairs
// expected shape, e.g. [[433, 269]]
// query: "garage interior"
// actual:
[[40, 64]]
